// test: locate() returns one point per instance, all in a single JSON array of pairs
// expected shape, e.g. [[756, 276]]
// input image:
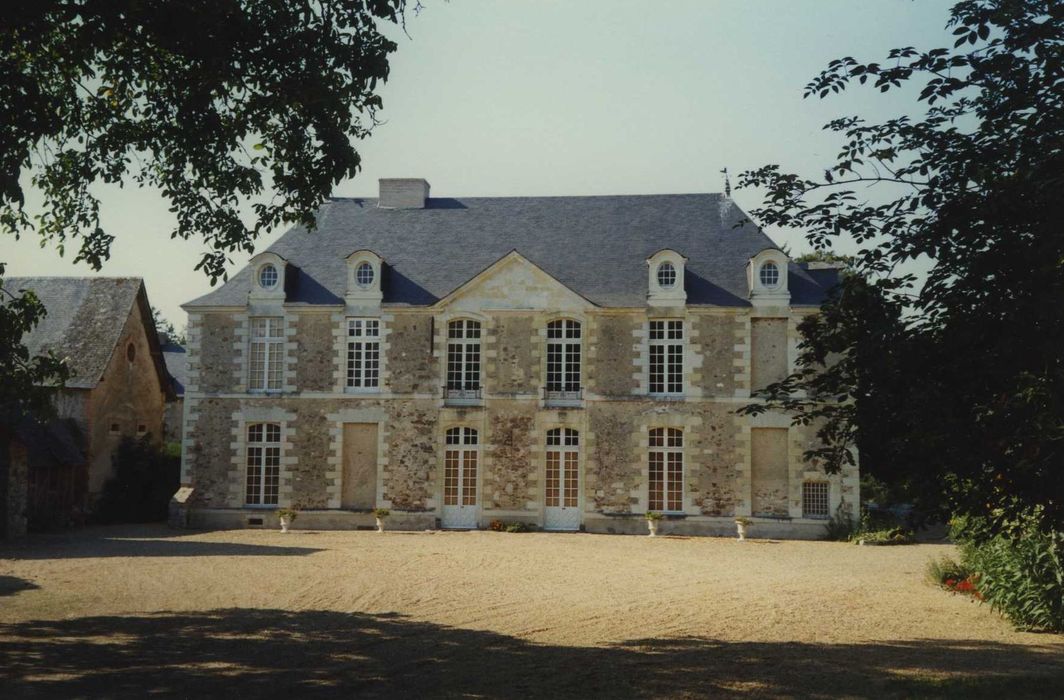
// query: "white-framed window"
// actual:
[[463, 357], [363, 354], [364, 274], [666, 275], [815, 500], [665, 461], [263, 464], [460, 461], [563, 468], [666, 357], [769, 274], [268, 276], [266, 365], [563, 358]]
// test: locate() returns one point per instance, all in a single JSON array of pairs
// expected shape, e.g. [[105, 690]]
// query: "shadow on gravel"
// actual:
[[10, 585], [274, 653], [152, 540]]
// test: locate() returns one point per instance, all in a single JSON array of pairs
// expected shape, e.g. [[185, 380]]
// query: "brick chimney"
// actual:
[[403, 193]]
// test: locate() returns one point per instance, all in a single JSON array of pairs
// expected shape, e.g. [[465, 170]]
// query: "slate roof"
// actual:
[[86, 316], [597, 246], [176, 359]]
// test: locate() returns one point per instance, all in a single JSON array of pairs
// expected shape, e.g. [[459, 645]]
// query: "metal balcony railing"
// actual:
[[461, 397], [556, 397]]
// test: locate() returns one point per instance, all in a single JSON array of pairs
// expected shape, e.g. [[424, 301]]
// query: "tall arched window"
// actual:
[[263, 464], [665, 461], [463, 359], [563, 359]]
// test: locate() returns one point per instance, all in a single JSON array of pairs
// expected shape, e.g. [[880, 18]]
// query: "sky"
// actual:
[[581, 97]]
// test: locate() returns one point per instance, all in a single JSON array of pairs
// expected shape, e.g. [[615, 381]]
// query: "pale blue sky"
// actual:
[[572, 98]]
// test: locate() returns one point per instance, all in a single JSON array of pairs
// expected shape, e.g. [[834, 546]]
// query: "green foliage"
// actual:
[[145, 477], [220, 106], [886, 536], [26, 383], [520, 527], [381, 513], [653, 516], [840, 527], [953, 389], [289, 514], [1020, 576], [944, 569]]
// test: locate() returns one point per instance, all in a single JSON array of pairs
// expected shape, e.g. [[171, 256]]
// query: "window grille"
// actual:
[[563, 359], [666, 357], [263, 463], [266, 366], [463, 359], [815, 500], [666, 470], [363, 353]]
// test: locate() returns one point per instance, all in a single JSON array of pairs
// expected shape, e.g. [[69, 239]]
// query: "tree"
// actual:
[[217, 103], [165, 327], [955, 386]]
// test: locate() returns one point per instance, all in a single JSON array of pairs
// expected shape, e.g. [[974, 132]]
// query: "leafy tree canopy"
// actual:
[[219, 104], [953, 386]]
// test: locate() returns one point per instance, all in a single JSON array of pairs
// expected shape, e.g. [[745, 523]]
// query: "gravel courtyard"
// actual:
[[125, 610]]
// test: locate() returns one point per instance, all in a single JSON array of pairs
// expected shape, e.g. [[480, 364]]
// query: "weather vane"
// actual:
[[727, 182]]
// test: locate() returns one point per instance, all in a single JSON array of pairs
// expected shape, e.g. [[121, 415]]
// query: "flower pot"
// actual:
[[741, 527], [380, 525], [653, 525], [285, 522]]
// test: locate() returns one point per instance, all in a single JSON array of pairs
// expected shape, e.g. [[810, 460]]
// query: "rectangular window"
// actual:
[[665, 463], [263, 464], [815, 500], [363, 353], [666, 357], [266, 366], [463, 359], [563, 358]]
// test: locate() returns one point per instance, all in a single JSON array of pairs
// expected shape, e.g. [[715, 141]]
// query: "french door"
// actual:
[[460, 463], [562, 497]]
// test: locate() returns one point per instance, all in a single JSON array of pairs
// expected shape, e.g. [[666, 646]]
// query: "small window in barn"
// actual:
[[131, 352], [141, 429], [115, 428], [815, 500]]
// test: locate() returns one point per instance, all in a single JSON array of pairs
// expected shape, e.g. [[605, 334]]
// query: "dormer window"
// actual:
[[364, 275], [766, 274], [769, 275], [268, 276], [364, 281], [666, 275]]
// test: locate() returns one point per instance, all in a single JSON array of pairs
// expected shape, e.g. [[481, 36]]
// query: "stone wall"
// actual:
[[512, 370], [212, 360], [715, 480], [410, 480], [315, 356], [14, 489], [208, 452], [768, 341], [612, 358], [717, 336], [411, 367], [613, 465], [312, 442], [510, 481]]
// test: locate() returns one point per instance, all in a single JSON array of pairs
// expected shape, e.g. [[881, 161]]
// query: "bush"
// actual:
[[520, 527], [146, 475], [940, 571], [497, 526], [1021, 575], [841, 527]]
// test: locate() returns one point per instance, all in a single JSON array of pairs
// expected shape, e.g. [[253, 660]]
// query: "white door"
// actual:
[[460, 479], [562, 497]]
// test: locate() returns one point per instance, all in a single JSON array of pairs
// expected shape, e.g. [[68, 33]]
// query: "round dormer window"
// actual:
[[769, 275], [364, 274], [666, 275], [268, 276]]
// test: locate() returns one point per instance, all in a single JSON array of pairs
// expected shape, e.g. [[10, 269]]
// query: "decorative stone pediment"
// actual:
[[514, 282]]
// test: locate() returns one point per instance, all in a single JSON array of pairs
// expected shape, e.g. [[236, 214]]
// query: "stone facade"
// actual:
[[446, 450]]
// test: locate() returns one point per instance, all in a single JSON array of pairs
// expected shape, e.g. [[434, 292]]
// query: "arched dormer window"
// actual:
[[767, 277], [665, 279], [364, 278], [268, 271]]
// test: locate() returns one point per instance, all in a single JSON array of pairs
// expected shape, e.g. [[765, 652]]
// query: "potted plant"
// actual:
[[741, 525], [653, 518], [380, 514], [287, 517]]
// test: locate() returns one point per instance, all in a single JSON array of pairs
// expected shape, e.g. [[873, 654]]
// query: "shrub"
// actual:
[[289, 514], [840, 527], [520, 527], [381, 513], [497, 526], [893, 535], [940, 571], [653, 515], [1021, 575], [145, 477]]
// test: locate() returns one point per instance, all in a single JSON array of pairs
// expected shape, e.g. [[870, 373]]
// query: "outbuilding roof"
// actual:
[[85, 320], [596, 246]]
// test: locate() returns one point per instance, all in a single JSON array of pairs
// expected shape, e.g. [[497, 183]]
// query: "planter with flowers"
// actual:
[[741, 524], [653, 518], [287, 516], [380, 514]]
